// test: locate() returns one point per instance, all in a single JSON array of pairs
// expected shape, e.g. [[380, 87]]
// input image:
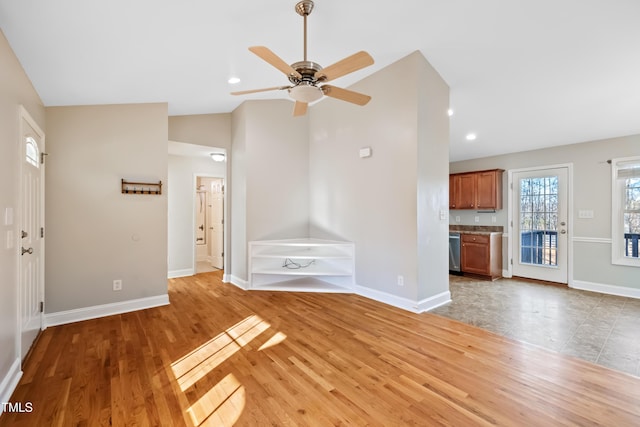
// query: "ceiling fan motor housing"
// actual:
[[304, 7], [307, 70]]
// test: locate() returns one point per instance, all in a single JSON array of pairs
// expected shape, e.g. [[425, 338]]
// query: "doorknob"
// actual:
[[201, 227], [27, 251], [563, 231], [563, 223], [24, 234]]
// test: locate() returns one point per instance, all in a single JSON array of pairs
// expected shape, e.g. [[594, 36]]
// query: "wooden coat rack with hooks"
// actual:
[[129, 187]]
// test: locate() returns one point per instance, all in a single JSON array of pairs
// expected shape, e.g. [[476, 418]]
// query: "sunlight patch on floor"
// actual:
[[223, 403], [220, 406], [197, 364], [273, 341]]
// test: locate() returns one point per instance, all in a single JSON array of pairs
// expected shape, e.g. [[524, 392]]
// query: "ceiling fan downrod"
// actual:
[[304, 8]]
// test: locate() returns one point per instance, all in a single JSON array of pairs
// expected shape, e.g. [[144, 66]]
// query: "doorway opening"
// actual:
[[209, 224]]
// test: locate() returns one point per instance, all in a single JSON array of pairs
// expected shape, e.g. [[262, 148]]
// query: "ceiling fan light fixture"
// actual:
[[305, 93]]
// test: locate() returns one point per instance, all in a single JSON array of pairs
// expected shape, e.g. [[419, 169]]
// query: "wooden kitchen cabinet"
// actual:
[[481, 254], [476, 190]]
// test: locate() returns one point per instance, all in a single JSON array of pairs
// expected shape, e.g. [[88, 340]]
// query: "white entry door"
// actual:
[[540, 224], [216, 231], [31, 292]]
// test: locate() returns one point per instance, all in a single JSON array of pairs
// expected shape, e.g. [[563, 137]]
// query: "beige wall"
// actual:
[[212, 130], [269, 177], [15, 90], [591, 191], [386, 203], [95, 234]]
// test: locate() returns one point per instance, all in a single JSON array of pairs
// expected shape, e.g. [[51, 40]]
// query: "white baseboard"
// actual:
[[606, 289], [434, 301], [181, 273], [402, 302], [9, 383], [86, 313], [226, 278], [235, 280]]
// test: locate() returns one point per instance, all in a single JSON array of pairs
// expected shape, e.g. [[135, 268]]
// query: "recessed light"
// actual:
[[233, 80], [471, 137], [450, 112]]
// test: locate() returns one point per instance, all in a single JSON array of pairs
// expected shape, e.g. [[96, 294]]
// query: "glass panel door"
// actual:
[[540, 224]]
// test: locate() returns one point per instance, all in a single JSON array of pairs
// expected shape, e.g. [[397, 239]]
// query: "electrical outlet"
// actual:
[[117, 285], [457, 218], [400, 281], [493, 219], [476, 219]]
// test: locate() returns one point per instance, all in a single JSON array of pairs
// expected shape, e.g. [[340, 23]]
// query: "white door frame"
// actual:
[[24, 116], [194, 214], [510, 215]]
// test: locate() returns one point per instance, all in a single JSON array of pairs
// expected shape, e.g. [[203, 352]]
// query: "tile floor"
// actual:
[[602, 329], [204, 267]]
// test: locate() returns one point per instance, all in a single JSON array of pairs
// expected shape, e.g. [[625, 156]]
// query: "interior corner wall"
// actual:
[[96, 234], [370, 201], [15, 90], [238, 196], [270, 178], [433, 181]]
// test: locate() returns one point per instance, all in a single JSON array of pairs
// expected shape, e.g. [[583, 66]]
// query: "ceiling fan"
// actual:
[[306, 76]]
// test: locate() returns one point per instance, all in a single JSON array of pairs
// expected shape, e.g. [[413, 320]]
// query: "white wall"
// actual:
[[590, 249], [181, 216], [387, 204], [95, 234], [15, 90]]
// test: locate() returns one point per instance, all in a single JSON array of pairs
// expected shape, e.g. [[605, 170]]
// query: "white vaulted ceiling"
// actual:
[[523, 74]]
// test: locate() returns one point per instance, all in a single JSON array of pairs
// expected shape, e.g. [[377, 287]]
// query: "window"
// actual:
[[625, 214], [31, 152]]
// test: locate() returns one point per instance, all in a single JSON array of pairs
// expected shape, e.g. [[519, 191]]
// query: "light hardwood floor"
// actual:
[[221, 356]]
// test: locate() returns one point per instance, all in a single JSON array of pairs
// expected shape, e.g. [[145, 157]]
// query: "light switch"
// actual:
[[9, 239], [365, 152], [8, 216], [585, 214]]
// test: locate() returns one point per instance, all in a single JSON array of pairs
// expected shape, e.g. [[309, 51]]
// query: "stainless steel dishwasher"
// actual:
[[454, 252]]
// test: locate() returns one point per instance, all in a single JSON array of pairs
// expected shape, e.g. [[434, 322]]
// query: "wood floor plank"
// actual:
[[220, 356]]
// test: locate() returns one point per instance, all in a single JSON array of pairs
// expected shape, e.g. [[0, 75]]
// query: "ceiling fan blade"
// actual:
[[348, 65], [346, 95], [300, 109], [267, 55], [244, 92]]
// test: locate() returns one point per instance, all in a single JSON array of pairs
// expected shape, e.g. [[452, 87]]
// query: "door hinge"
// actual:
[[511, 261], [222, 254], [42, 157], [41, 306], [41, 232]]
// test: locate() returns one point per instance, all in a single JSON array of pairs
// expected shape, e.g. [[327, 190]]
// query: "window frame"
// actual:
[[617, 213]]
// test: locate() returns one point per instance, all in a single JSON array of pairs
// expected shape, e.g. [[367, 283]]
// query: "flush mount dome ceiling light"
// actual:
[[306, 76], [217, 157]]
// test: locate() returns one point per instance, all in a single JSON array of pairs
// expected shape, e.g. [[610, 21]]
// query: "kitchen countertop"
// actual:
[[476, 229]]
